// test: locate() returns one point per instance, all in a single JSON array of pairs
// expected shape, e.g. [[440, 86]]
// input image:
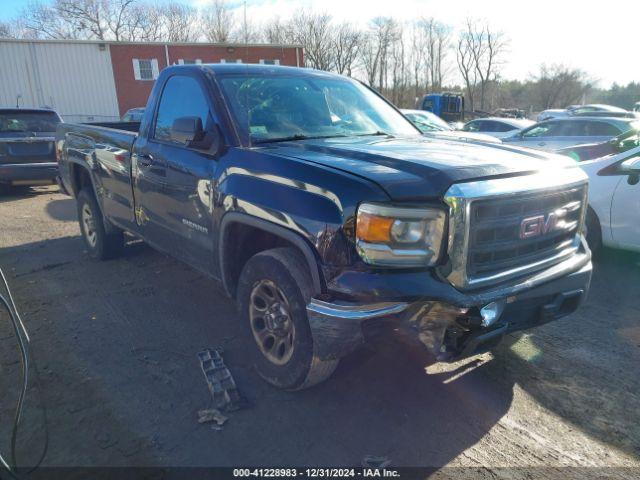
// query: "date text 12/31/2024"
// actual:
[[316, 473]]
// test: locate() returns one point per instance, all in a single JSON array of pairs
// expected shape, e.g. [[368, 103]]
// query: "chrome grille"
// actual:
[[495, 243], [488, 243]]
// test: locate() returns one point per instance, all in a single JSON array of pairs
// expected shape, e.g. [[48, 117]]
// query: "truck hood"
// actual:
[[418, 168], [460, 135]]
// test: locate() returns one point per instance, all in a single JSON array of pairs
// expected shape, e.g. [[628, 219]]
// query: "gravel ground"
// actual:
[[116, 346]]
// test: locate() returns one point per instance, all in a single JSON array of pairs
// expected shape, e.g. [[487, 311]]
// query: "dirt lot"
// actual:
[[116, 346]]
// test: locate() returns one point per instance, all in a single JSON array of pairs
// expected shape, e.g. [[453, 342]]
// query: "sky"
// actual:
[[599, 38]]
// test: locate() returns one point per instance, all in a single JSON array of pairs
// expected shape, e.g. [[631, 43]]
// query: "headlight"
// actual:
[[399, 237]]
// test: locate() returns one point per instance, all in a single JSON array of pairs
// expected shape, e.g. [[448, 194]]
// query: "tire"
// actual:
[[594, 232], [278, 282], [100, 244]]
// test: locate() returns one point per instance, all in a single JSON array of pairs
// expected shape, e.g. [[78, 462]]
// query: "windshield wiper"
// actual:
[[379, 133], [297, 136]]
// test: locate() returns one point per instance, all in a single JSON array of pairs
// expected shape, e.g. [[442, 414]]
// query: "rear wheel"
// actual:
[[273, 292], [102, 240]]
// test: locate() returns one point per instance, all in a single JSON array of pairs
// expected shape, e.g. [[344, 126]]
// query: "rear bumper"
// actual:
[[28, 173], [453, 327]]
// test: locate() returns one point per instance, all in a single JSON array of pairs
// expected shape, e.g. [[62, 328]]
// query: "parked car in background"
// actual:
[[613, 215], [133, 115], [581, 110], [589, 151], [430, 124], [496, 126], [27, 152], [567, 132]]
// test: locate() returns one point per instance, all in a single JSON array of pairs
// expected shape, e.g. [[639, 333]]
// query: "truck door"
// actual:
[[172, 181]]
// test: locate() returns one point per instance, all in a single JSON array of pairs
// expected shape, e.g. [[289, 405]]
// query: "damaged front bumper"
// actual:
[[451, 324]]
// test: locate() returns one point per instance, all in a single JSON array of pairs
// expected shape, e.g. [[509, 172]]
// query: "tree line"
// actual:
[[402, 59]]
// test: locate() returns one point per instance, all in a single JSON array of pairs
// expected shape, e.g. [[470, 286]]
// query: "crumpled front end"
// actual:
[[455, 326]]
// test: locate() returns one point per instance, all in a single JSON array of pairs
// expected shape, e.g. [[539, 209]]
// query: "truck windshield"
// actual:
[[277, 108], [28, 122]]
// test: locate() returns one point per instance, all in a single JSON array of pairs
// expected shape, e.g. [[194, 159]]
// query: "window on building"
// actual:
[[238, 60], [270, 62], [145, 69], [185, 61], [181, 97], [222, 60]]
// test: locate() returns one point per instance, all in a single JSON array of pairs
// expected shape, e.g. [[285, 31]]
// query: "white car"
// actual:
[[566, 132], [580, 110], [496, 126], [613, 217], [432, 125]]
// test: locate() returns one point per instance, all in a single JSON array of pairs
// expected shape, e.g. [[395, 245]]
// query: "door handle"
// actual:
[[542, 144], [145, 160]]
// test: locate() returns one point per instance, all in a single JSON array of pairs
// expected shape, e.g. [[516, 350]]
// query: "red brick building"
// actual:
[[90, 80], [136, 65]]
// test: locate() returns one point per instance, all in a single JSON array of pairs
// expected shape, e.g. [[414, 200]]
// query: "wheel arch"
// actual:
[[232, 257], [79, 177]]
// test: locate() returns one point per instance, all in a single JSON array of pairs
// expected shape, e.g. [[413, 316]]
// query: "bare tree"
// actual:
[[42, 21], [416, 59], [437, 40], [6, 30], [248, 31], [89, 16], [313, 31], [87, 19], [116, 13], [465, 60], [346, 40], [369, 56], [384, 31], [559, 86], [483, 51], [218, 22], [399, 74], [180, 23], [278, 32]]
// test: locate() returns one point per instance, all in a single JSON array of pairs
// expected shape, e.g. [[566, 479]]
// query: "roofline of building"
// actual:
[[184, 44]]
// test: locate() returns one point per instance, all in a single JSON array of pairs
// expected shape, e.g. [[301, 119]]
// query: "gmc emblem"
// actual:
[[535, 226]]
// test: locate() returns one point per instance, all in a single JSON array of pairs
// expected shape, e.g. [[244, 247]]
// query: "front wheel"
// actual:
[[273, 292], [103, 241]]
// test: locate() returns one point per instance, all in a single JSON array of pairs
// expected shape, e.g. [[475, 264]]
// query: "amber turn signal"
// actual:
[[373, 228]]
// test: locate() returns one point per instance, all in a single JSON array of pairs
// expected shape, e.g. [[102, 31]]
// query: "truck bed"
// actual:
[[103, 148]]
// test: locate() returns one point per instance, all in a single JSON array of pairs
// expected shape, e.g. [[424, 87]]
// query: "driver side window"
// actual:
[[182, 96]]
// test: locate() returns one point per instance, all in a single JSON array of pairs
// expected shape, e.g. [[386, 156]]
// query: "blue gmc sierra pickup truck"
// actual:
[[323, 211]]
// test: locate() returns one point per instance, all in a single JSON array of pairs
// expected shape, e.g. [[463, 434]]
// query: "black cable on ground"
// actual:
[[22, 337]]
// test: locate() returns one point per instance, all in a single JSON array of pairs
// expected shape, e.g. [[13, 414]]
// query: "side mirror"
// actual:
[[631, 167], [186, 130]]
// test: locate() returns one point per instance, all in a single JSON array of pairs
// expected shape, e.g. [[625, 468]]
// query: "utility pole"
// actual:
[[246, 33]]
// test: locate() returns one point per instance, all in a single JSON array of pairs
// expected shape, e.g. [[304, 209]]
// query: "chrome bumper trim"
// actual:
[[354, 312]]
